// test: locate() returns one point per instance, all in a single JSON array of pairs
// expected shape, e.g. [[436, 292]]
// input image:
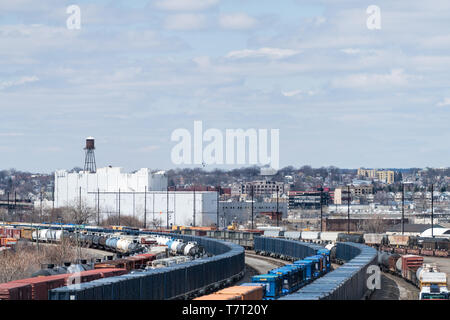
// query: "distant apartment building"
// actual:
[[368, 173], [308, 199], [341, 195], [386, 176], [264, 187]]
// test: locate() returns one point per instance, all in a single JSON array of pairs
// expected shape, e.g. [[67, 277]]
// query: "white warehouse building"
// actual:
[[142, 195]]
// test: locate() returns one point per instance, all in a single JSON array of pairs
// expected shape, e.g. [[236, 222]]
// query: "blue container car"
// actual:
[[287, 276], [273, 284], [308, 266], [326, 254], [316, 267]]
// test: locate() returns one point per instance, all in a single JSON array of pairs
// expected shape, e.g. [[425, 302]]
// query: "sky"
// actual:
[[339, 93]]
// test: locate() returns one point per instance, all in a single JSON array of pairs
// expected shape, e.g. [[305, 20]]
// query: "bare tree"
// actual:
[[375, 224], [79, 213], [25, 259]]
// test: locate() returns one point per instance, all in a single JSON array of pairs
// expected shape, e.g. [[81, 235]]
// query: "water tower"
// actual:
[[89, 162]]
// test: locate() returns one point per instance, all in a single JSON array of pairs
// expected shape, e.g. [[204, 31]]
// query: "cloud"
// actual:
[[351, 51], [185, 5], [395, 78], [185, 21], [294, 93], [273, 53], [444, 103], [20, 81], [237, 21]]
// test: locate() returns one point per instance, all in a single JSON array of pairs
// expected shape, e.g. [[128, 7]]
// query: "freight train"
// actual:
[[125, 241], [401, 244], [431, 282], [278, 282]]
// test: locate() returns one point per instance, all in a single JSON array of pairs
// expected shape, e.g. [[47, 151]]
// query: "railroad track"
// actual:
[[274, 261]]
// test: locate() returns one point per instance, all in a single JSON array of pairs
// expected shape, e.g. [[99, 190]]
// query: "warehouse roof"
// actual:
[[409, 227], [437, 231]]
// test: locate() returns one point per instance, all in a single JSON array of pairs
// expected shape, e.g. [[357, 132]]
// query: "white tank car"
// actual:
[[398, 265], [162, 240], [122, 245], [191, 249], [43, 234], [177, 246], [60, 234]]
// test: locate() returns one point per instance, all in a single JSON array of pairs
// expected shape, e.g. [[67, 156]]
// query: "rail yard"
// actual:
[[194, 263]]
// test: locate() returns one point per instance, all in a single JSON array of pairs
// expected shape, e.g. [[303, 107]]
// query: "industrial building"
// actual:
[[142, 194], [264, 187], [309, 199], [240, 211]]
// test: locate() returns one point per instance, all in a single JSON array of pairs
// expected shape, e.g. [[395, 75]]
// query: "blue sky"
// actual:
[[340, 94]]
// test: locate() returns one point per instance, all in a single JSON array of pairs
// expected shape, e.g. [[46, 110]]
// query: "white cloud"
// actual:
[[298, 92], [20, 81], [185, 5], [395, 78], [237, 21], [274, 53], [185, 21], [444, 103], [351, 51]]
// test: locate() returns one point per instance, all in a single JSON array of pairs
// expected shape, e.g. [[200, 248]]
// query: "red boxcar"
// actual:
[[410, 264], [15, 291]]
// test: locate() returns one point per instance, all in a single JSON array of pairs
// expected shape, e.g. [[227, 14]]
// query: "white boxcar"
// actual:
[[310, 235], [292, 235], [271, 233], [329, 236]]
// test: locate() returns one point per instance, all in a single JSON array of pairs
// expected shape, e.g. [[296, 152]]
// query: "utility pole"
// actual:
[[218, 198], [167, 196], [7, 206], [145, 207], [348, 209], [277, 206], [119, 206], [403, 208], [321, 210], [79, 207], [252, 207], [134, 204], [432, 210], [153, 213], [53, 198], [40, 207], [194, 207], [174, 205], [98, 206]]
